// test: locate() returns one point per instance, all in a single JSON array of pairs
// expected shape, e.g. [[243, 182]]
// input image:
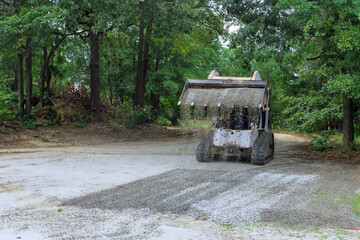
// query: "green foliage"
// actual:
[[348, 84], [160, 120], [8, 104], [185, 48], [307, 51], [323, 140], [308, 113]]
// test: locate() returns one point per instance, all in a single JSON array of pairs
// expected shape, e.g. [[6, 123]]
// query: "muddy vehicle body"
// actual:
[[240, 108]]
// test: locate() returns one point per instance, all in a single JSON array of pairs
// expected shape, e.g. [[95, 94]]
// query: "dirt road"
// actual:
[[157, 190]]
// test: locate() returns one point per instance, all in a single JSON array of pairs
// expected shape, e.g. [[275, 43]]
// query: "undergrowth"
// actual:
[[28, 123], [331, 139], [131, 117], [323, 140]]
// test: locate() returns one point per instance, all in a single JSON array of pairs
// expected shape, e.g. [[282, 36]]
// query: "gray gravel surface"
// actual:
[[314, 194], [157, 190]]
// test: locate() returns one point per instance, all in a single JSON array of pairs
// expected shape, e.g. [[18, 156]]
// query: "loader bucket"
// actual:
[[216, 95]]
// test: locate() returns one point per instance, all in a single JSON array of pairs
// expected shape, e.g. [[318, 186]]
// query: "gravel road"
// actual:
[[157, 190]]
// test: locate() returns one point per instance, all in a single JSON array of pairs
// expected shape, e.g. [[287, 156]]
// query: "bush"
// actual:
[[115, 126], [160, 120], [323, 140], [132, 117], [28, 123]]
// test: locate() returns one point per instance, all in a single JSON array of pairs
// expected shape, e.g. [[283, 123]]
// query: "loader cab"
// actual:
[[239, 118]]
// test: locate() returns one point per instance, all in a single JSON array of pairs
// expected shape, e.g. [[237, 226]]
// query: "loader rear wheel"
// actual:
[[203, 150], [263, 150]]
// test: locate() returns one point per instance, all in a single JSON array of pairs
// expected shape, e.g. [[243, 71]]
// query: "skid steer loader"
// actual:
[[240, 108]]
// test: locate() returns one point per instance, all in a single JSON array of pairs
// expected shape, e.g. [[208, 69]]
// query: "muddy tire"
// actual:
[[203, 150], [263, 150]]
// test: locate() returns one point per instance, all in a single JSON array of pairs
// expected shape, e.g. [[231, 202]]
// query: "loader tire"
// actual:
[[263, 150], [203, 150]]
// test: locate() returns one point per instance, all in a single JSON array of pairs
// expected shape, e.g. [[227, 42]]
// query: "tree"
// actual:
[[311, 37], [97, 18], [335, 30], [172, 20], [160, 43], [21, 24]]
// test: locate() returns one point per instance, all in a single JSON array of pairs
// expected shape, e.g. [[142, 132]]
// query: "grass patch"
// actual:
[[228, 226], [205, 124], [335, 200], [78, 124], [355, 202]]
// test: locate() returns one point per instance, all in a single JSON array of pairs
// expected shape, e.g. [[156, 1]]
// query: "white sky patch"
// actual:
[[232, 28]]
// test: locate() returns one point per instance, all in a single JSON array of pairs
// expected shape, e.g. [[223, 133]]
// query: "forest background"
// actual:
[[125, 62]]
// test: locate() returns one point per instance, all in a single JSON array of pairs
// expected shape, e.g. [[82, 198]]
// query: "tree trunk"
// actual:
[[348, 122], [42, 78], [138, 96], [143, 62], [45, 70], [21, 84], [95, 75], [110, 88], [28, 64], [146, 55], [48, 78]]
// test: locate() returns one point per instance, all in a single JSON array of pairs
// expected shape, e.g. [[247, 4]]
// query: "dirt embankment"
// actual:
[[88, 135]]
